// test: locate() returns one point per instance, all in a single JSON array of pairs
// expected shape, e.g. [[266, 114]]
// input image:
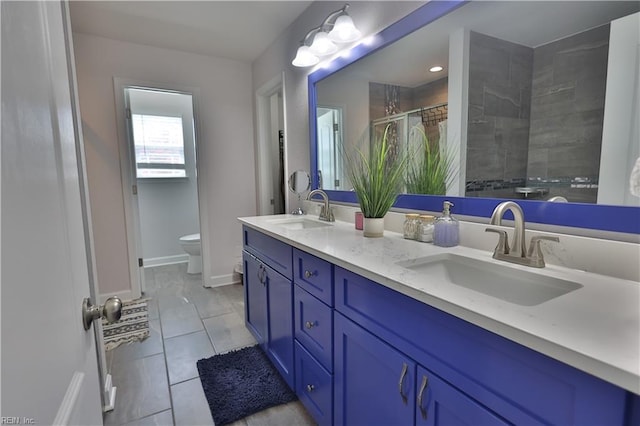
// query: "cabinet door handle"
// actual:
[[403, 374], [309, 274], [262, 272], [423, 387], [310, 388], [309, 324]]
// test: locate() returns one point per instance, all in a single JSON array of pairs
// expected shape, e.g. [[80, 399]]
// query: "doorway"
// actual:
[[271, 164], [162, 139], [330, 167], [160, 174]]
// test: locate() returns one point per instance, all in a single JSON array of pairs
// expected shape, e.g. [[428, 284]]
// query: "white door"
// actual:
[[49, 364]]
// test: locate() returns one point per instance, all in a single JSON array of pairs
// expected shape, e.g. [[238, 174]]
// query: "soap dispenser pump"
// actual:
[[446, 231]]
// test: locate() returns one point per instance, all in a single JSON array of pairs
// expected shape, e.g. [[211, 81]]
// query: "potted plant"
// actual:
[[377, 177], [431, 170]]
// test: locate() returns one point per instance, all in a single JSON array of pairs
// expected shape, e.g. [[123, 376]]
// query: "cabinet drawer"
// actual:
[[314, 386], [271, 251], [314, 275], [313, 326]]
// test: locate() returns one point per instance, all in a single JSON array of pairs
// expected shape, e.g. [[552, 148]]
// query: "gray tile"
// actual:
[[179, 320], [190, 406], [152, 345], [228, 332], [235, 295], [183, 352], [142, 389], [286, 414], [164, 418], [153, 311]]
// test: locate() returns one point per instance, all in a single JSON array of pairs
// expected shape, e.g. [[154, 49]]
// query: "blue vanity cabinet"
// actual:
[[255, 298], [374, 384], [439, 403], [280, 324], [487, 372], [313, 329], [268, 298]]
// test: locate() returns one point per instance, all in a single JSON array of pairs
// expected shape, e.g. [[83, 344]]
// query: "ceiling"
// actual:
[[239, 29], [528, 23]]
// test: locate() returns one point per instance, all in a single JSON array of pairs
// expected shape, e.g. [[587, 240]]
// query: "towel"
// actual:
[[634, 180]]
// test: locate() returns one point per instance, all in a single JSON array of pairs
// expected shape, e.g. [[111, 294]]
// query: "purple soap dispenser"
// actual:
[[446, 230]]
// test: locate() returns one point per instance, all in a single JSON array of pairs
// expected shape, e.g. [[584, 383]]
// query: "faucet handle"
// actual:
[[535, 252], [327, 214], [503, 241]]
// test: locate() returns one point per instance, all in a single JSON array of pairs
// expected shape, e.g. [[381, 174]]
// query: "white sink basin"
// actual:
[[500, 281], [299, 223]]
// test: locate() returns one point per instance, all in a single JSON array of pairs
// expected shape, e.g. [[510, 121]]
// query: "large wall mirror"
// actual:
[[536, 101]]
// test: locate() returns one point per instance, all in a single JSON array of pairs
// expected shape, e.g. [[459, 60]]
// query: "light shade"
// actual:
[[304, 57], [322, 45], [344, 31]]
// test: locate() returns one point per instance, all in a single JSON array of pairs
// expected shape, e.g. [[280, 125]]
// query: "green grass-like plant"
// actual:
[[377, 175], [431, 172]]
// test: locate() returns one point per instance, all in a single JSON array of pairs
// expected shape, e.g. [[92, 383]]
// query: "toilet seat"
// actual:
[[193, 238]]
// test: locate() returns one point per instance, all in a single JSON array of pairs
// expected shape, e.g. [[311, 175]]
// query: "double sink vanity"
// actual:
[[388, 331]]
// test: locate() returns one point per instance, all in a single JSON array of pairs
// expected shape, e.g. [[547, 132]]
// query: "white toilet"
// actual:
[[191, 245]]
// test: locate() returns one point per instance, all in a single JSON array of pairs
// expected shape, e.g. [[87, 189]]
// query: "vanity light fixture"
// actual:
[[338, 27], [436, 68]]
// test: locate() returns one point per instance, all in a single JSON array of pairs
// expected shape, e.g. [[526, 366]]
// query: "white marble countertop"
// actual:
[[595, 328]]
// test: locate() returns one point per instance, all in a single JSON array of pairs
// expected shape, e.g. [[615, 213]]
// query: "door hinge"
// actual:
[[140, 262], [336, 127], [128, 113], [134, 189]]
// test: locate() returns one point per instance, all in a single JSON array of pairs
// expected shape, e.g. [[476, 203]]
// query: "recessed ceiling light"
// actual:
[[437, 68]]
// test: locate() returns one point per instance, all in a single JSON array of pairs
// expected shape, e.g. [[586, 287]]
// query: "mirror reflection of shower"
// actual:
[[164, 144]]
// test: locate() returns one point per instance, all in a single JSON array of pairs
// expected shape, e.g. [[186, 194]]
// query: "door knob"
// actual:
[[111, 310]]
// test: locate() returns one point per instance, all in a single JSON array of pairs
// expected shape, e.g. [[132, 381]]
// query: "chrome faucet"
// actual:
[[518, 254], [326, 213]]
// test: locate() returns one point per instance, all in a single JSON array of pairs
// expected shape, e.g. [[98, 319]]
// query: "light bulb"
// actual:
[[344, 31], [304, 57], [322, 45]]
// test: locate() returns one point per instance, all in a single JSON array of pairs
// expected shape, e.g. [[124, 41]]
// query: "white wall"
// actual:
[[168, 207], [225, 143], [369, 16], [620, 146]]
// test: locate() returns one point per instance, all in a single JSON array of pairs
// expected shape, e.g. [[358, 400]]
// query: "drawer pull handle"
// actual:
[[262, 272], [403, 374], [423, 387], [309, 324], [309, 274], [310, 388]]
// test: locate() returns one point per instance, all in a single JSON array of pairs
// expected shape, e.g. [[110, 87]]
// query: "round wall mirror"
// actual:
[[299, 183]]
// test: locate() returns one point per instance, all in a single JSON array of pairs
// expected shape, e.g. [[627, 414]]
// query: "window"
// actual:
[[159, 145]]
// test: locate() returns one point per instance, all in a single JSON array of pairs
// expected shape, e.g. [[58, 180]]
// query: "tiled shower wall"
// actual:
[[535, 115], [500, 75], [567, 112]]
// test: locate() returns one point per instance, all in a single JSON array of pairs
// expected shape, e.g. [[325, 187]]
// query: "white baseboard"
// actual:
[[109, 395], [165, 260], [221, 280], [124, 295]]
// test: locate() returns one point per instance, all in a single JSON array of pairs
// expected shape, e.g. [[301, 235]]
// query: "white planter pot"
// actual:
[[373, 227]]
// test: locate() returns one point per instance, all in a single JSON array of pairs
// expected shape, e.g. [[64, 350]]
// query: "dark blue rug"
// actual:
[[240, 383]]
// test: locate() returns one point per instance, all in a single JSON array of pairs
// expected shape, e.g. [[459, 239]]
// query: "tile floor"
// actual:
[[157, 379]]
